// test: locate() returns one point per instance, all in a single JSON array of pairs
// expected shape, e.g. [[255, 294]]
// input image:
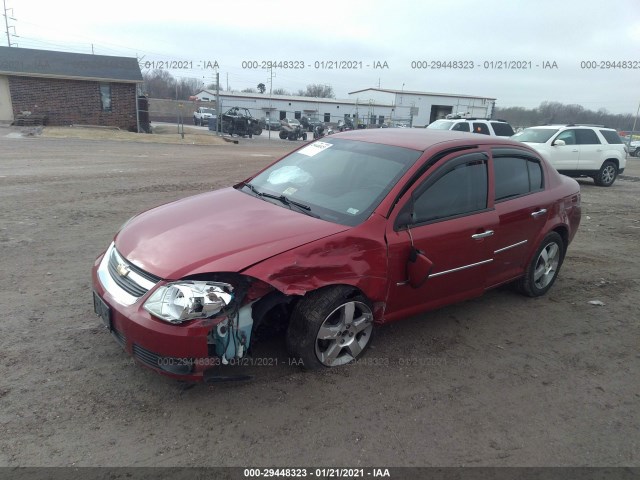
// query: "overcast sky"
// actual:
[[368, 33]]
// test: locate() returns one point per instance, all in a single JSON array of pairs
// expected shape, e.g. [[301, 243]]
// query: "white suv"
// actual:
[[484, 126], [579, 150]]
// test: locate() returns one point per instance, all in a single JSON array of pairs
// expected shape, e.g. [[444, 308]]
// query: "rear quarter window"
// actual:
[[611, 137], [502, 129]]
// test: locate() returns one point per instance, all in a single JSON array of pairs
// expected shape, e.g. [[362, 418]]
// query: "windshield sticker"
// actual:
[[353, 211], [289, 174], [314, 148], [290, 191]]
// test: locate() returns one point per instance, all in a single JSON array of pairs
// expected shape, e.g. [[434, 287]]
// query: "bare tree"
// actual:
[[280, 91], [317, 90], [556, 112], [249, 90]]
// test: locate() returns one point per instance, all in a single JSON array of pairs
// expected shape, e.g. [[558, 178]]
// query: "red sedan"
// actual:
[[353, 230]]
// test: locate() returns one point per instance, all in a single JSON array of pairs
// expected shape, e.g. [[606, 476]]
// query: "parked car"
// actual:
[[633, 146], [345, 233], [202, 115], [498, 128], [271, 124], [579, 150]]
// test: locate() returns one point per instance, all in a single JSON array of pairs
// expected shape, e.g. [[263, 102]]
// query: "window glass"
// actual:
[[502, 129], [481, 128], [340, 180], [535, 135], [511, 177], [105, 97], [461, 190], [568, 136], [516, 176], [461, 127], [611, 136], [441, 124], [535, 175], [587, 137]]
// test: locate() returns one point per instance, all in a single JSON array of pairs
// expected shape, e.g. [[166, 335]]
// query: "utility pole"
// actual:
[[5, 11], [270, 100], [218, 116]]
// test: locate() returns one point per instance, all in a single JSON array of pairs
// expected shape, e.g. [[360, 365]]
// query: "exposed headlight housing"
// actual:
[[187, 300]]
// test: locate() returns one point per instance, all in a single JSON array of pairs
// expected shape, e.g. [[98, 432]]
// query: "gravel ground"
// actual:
[[502, 380]]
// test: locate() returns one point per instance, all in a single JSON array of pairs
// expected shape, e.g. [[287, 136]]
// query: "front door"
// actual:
[[452, 224], [6, 110]]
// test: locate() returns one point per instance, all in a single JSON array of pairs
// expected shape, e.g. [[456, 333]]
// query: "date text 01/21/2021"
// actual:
[[483, 65], [316, 65]]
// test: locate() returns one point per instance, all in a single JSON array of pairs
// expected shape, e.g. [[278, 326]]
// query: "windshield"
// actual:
[[341, 181], [535, 135], [441, 125], [208, 110]]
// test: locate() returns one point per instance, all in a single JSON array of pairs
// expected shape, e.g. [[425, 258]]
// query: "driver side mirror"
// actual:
[[404, 220], [418, 268], [559, 143]]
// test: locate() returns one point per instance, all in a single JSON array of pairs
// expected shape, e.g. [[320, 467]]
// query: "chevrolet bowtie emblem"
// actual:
[[122, 270]]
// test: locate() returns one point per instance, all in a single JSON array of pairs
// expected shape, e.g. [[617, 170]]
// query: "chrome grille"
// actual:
[[137, 282]]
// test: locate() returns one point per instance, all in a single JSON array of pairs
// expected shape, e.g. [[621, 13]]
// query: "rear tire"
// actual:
[[544, 267], [330, 327], [606, 175]]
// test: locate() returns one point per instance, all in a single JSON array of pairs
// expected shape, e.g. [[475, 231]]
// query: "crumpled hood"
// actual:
[[221, 231]]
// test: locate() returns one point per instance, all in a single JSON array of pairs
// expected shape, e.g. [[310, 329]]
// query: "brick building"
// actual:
[[68, 88]]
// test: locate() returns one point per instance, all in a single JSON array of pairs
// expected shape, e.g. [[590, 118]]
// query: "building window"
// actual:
[[327, 117], [297, 115], [105, 97]]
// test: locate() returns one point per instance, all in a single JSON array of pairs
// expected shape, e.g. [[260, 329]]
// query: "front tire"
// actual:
[[330, 327], [544, 267], [606, 175]]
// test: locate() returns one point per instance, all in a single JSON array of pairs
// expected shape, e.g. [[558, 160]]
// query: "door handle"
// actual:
[[478, 236], [575, 151], [537, 213]]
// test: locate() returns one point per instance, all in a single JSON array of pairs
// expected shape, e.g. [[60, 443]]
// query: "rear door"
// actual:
[[522, 210], [591, 150], [452, 223]]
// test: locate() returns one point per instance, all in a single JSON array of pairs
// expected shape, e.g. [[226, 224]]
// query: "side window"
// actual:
[[460, 190], [569, 137], [502, 129], [461, 127], [481, 128], [587, 137], [515, 177], [105, 97], [611, 136]]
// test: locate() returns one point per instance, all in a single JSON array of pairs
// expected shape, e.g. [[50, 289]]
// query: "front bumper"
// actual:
[[179, 351]]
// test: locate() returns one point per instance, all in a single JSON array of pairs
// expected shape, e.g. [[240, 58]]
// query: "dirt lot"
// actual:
[[502, 380]]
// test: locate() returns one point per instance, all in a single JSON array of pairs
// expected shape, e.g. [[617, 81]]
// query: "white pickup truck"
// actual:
[[203, 114]]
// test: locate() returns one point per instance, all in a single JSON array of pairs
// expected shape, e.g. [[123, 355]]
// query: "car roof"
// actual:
[[423, 138], [571, 125]]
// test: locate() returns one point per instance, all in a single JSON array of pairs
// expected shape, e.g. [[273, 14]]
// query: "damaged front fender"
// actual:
[[354, 257]]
